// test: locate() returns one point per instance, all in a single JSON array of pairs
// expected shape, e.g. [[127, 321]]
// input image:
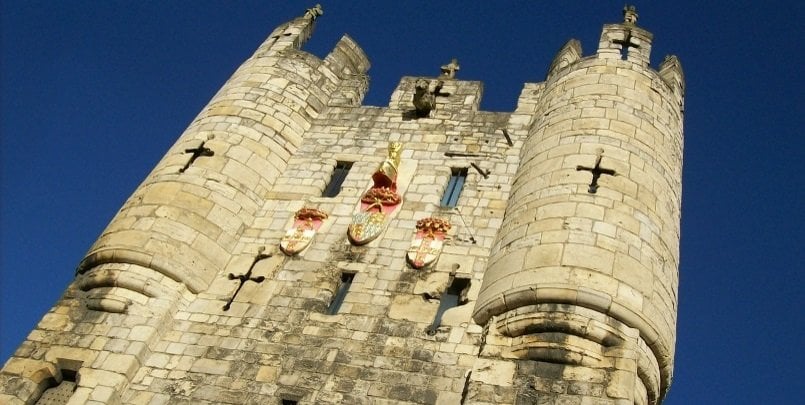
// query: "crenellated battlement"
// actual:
[[626, 42], [569, 54], [347, 59], [348, 63]]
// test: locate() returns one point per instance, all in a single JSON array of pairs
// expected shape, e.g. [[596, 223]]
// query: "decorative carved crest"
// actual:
[[428, 241], [379, 202], [306, 222]]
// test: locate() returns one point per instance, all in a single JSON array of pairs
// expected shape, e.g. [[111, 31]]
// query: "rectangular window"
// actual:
[[339, 174], [289, 402], [450, 299], [341, 293], [457, 178]]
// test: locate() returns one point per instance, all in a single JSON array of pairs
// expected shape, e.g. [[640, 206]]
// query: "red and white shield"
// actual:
[[306, 222], [427, 243]]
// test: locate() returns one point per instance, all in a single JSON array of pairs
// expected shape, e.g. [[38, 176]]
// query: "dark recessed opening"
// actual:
[[339, 175], [453, 190], [341, 293]]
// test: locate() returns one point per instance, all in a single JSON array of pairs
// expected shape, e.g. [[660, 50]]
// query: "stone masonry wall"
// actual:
[[279, 343], [571, 295]]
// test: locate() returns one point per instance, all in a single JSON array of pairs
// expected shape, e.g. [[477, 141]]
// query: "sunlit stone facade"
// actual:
[[548, 275]]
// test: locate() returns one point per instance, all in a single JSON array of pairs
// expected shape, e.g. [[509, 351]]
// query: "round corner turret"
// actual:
[[593, 219]]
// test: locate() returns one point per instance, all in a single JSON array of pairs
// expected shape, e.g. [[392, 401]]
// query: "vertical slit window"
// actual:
[[341, 293], [458, 177], [339, 174], [453, 297]]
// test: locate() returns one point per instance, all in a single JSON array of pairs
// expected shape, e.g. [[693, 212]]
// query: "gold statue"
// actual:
[[386, 173]]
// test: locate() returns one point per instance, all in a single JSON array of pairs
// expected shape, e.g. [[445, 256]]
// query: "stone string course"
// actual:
[[572, 296]]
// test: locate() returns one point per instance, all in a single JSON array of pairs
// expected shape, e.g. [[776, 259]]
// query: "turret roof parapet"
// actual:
[[622, 41]]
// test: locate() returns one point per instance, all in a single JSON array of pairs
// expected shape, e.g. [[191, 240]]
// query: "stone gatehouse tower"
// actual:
[[296, 246]]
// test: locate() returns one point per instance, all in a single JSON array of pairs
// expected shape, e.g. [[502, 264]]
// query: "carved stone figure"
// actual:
[[424, 98]]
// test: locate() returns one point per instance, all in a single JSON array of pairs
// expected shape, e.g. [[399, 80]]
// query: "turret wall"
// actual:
[[615, 250]]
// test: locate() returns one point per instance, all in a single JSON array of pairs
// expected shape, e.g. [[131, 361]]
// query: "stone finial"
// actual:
[[629, 14], [314, 12], [449, 70]]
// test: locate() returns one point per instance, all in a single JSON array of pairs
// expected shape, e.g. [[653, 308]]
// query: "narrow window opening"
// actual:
[[458, 177], [455, 295], [624, 52], [341, 293], [289, 402], [60, 393], [339, 174]]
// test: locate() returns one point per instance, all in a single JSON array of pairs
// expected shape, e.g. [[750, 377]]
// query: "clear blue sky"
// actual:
[[93, 93]]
